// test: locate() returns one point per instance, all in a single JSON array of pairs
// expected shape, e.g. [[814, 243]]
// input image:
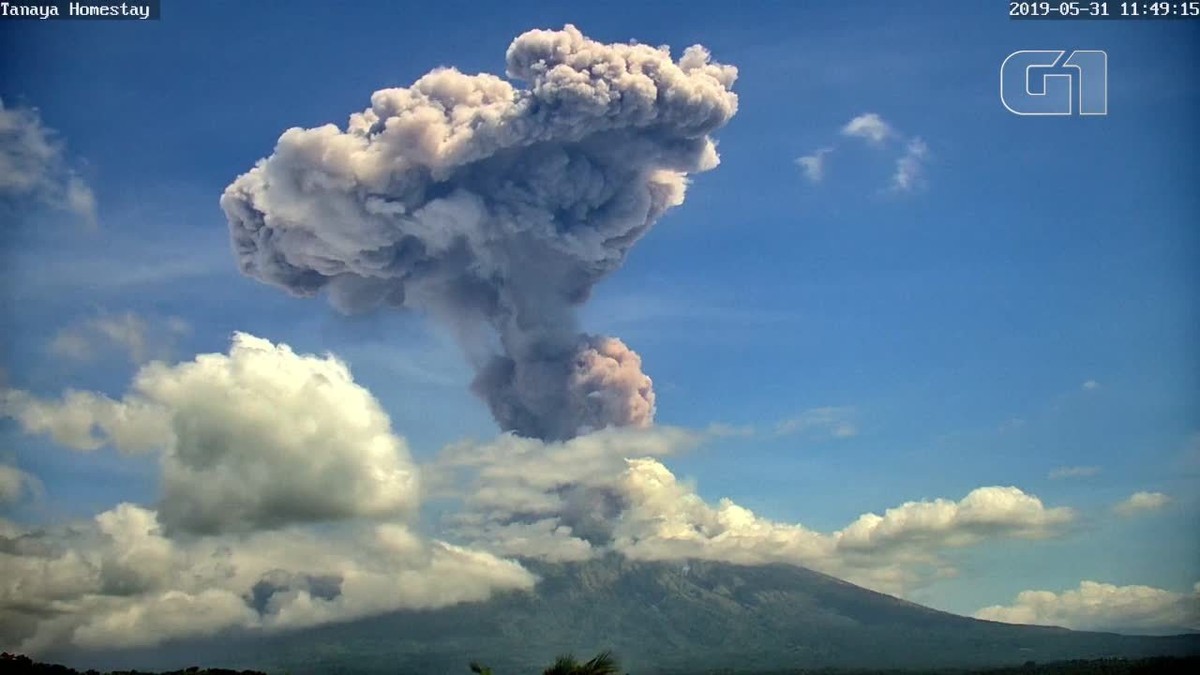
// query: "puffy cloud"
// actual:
[[666, 519], [258, 438], [85, 420], [609, 492], [910, 167], [548, 500], [891, 552], [984, 512], [1090, 385], [1139, 503], [496, 209], [1073, 472], [869, 126], [1105, 607], [14, 484], [259, 450], [814, 165], [141, 339], [121, 582], [33, 167], [837, 422]]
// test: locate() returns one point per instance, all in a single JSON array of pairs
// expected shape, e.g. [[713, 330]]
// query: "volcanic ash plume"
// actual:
[[496, 209]]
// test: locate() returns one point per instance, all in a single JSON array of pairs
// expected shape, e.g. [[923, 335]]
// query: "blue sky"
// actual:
[[950, 328]]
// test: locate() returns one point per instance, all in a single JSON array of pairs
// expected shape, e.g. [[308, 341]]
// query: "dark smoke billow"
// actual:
[[496, 210]]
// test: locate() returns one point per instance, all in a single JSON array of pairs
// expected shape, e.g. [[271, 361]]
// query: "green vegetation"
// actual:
[[1164, 665], [606, 664], [603, 663]]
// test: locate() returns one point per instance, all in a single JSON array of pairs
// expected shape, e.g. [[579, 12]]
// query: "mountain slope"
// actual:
[[669, 617]]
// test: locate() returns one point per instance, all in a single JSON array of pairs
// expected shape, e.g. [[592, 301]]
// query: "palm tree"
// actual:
[[563, 665], [603, 663]]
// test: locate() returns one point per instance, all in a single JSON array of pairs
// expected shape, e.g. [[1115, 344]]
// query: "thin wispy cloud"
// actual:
[[909, 172], [1073, 472], [431, 364], [910, 167], [133, 264], [814, 165], [1012, 424], [1188, 458], [34, 169], [140, 338], [831, 421], [1090, 385], [722, 430]]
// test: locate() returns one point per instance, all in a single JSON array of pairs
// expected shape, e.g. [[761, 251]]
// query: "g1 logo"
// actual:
[[1034, 82]]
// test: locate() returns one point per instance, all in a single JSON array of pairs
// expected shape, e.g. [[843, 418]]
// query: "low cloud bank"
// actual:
[[1104, 607], [610, 492]]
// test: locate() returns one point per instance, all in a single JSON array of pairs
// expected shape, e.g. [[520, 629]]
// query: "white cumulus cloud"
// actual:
[[1106, 607], [1139, 503], [889, 552], [285, 502], [259, 437], [121, 581], [869, 126]]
